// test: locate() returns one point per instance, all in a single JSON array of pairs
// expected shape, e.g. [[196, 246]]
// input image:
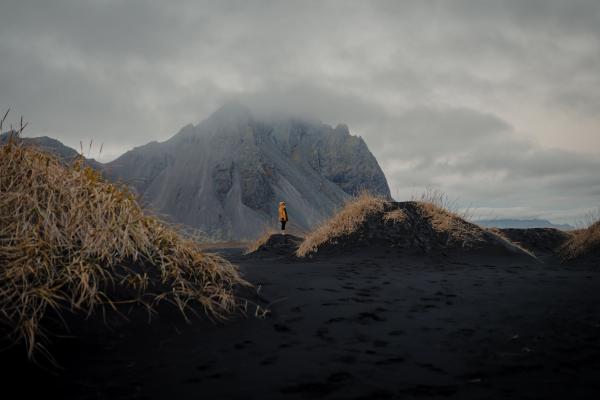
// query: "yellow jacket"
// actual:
[[282, 212]]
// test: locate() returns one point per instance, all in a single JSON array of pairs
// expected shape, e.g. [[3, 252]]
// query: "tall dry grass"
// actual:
[[394, 216], [582, 241], [69, 240], [447, 217], [449, 222], [345, 222]]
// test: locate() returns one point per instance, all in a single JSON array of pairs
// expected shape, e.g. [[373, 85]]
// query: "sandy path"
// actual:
[[370, 326]]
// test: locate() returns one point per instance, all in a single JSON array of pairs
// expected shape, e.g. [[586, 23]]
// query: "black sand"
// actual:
[[370, 325]]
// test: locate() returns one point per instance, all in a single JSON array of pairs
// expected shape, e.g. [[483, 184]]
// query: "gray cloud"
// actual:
[[497, 103]]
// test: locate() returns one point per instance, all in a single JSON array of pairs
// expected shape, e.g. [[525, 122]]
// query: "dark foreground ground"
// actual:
[[373, 325]]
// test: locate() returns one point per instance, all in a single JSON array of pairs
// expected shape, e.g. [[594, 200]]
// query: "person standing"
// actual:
[[283, 216]]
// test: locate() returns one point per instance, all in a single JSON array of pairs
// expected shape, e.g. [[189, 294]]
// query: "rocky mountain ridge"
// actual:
[[226, 175]]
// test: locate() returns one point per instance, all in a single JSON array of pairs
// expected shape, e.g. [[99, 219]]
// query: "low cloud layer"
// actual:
[[496, 103]]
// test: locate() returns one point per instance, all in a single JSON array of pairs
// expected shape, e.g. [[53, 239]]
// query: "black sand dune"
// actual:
[[277, 245], [541, 241], [371, 323], [413, 228]]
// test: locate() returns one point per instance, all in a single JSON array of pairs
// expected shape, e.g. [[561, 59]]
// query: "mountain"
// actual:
[[65, 153], [521, 224], [226, 175]]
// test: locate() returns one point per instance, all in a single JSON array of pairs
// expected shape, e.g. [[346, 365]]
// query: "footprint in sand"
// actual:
[[345, 359], [369, 317], [323, 334], [304, 289], [192, 380], [397, 332], [294, 319], [317, 388], [430, 367], [281, 328], [241, 345], [268, 360], [390, 361], [205, 367]]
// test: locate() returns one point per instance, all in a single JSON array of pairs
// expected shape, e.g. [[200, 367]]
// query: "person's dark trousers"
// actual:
[[283, 225]]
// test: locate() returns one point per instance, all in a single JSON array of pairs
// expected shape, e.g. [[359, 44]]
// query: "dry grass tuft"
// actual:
[[70, 240], [443, 220], [395, 216], [441, 200], [344, 223], [582, 242], [445, 217]]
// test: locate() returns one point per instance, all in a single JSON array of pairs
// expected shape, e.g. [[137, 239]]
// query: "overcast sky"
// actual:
[[495, 102]]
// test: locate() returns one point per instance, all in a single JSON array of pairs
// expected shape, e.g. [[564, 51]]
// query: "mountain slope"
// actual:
[[521, 224], [226, 175]]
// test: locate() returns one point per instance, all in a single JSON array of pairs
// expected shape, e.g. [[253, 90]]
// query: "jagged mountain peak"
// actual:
[[232, 108], [232, 112], [227, 174]]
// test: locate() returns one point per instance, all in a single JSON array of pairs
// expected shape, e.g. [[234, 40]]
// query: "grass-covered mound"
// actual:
[[420, 226], [70, 241], [583, 243], [260, 241], [274, 239]]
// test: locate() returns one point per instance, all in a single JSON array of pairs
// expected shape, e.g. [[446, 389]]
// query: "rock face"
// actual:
[[226, 175]]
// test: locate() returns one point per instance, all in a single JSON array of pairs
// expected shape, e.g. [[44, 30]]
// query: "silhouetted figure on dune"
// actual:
[[283, 216]]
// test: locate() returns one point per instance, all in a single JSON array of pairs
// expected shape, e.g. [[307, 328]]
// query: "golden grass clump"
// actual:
[[345, 222], [443, 220], [395, 216], [445, 217], [69, 240], [581, 242]]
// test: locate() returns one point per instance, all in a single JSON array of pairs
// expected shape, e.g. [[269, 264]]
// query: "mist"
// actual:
[[496, 104]]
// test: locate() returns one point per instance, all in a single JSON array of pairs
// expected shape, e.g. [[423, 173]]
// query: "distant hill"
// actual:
[[226, 175], [521, 224], [65, 153]]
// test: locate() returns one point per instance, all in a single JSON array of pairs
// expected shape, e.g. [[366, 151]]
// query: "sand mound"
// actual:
[[71, 241], [538, 240], [419, 227], [276, 244]]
